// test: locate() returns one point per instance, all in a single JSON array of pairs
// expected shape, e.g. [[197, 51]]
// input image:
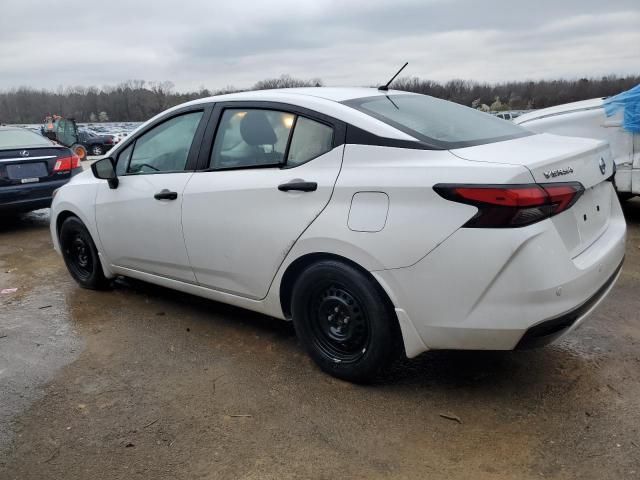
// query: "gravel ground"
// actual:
[[141, 382]]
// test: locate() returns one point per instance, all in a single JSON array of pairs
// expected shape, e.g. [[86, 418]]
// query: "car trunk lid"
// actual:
[[555, 159], [31, 165]]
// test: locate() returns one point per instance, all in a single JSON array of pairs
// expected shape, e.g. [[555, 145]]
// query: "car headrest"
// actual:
[[256, 129]]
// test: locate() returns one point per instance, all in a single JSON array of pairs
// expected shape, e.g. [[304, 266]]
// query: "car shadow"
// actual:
[[631, 209], [23, 222], [444, 369]]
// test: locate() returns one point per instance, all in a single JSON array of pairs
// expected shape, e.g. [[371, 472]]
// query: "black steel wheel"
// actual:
[[344, 321], [339, 323], [80, 254]]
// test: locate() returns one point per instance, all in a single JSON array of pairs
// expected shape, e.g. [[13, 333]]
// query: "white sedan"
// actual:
[[380, 222]]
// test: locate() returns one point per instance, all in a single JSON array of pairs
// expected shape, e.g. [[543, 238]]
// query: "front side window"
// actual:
[[247, 138], [166, 147], [437, 122]]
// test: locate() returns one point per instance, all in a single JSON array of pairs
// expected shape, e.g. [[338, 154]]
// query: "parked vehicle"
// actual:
[[31, 168], [377, 221], [95, 144], [587, 119], [65, 132], [509, 115]]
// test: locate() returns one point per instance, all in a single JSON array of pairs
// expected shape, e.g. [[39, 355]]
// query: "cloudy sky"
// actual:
[[211, 43]]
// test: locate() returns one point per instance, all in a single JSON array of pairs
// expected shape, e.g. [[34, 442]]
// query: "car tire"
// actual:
[[97, 150], [81, 255], [80, 151], [343, 321]]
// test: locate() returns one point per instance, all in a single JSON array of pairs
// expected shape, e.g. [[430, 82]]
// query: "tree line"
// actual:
[[138, 100]]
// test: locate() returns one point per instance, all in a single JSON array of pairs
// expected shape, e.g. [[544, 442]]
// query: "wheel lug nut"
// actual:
[[337, 309]]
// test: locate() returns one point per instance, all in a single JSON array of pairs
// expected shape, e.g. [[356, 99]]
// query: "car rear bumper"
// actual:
[[482, 289], [550, 330], [31, 196]]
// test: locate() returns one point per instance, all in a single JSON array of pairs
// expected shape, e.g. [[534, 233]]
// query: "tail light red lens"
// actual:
[[65, 164], [504, 206]]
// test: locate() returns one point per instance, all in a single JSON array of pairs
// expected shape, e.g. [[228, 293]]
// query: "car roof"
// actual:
[[324, 100], [582, 105], [13, 128], [335, 94]]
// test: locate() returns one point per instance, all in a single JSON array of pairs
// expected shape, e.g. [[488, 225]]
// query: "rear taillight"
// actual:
[[64, 164], [503, 206]]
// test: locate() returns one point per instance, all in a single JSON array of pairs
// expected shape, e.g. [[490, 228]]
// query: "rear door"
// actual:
[[139, 221], [268, 173]]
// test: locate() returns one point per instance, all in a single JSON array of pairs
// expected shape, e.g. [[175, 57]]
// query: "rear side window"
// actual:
[[310, 140], [251, 137], [165, 148], [20, 138], [260, 138], [437, 122]]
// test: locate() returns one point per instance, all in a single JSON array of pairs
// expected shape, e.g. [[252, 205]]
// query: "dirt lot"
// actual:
[[141, 382]]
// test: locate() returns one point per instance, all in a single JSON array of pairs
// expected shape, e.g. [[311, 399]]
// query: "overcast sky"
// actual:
[[210, 43]]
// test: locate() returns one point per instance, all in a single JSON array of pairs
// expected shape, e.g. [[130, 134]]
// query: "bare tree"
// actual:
[[138, 100]]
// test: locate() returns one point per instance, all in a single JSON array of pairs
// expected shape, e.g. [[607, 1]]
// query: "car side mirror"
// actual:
[[104, 169]]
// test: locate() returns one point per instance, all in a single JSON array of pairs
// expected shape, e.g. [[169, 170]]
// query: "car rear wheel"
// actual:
[[343, 321], [80, 255]]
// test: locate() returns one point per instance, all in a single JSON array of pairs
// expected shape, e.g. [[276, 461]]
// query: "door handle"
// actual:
[[165, 194], [299, 186]]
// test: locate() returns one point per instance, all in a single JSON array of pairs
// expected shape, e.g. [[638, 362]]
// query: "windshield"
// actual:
[[20, 138], [439, 123]]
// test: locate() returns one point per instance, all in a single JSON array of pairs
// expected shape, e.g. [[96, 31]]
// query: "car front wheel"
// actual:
[[343, 321], [81, 255]]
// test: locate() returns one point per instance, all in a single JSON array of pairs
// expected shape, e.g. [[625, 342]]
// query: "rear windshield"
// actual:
[[439, 123], [21, 138]]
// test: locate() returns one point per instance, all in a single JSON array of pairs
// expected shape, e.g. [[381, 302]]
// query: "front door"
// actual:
[[271, 172], [139, 222]]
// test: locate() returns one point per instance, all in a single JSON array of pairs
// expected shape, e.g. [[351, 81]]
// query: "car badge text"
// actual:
[[558, 172]]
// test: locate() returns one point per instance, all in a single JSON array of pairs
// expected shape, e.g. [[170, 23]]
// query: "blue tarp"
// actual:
[[630, 102]]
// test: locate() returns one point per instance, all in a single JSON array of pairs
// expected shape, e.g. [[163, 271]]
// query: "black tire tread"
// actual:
[[97, 281]]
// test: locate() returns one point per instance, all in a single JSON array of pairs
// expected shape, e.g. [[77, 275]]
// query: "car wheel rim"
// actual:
[[339, 323], [79, 257]]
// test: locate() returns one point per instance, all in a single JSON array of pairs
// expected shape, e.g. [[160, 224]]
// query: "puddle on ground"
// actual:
[[37, 336]]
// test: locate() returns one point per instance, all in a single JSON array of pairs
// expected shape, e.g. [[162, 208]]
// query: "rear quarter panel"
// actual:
[[418, 219]]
